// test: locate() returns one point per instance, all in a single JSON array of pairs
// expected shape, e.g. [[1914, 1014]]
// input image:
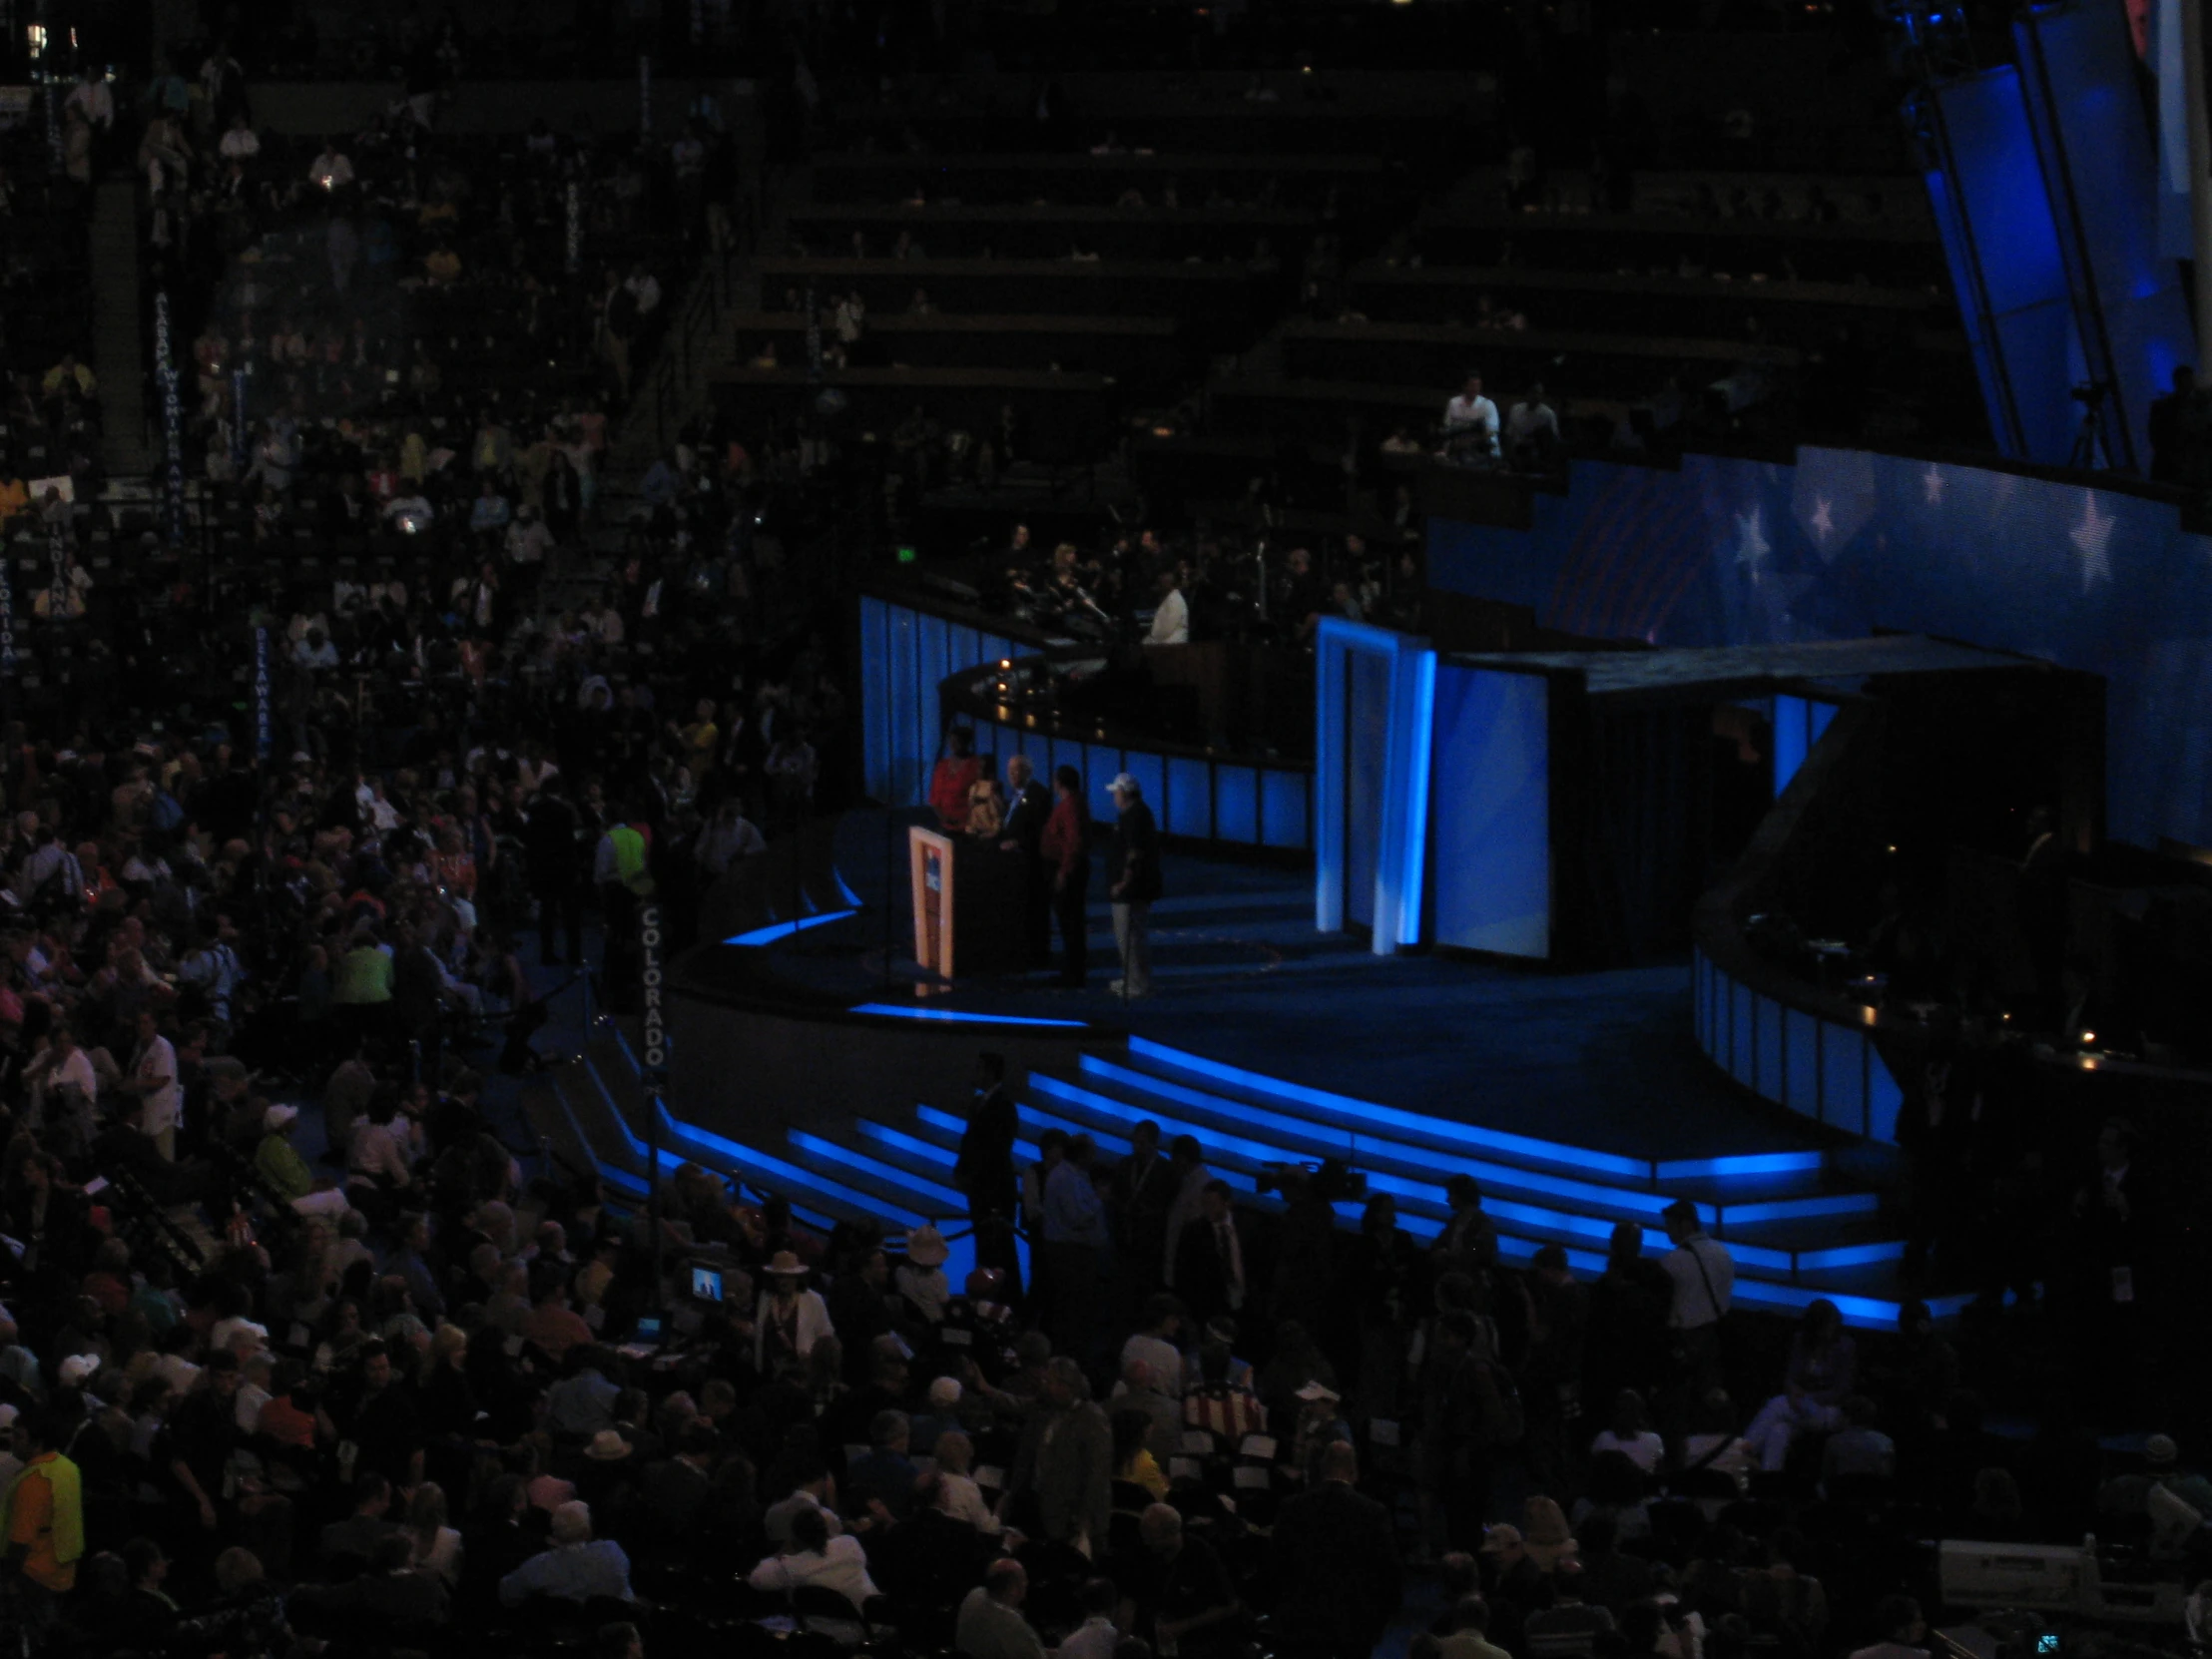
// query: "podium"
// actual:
[[967, 898]]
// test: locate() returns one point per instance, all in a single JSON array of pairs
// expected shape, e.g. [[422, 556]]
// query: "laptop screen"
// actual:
[[706, 1284], [651, 1327]]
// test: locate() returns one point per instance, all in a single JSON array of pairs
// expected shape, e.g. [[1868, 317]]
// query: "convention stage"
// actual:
[[1605, 1059], [819, 1060]]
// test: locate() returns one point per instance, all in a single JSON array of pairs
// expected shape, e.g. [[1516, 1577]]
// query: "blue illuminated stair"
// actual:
[[1794, 1235], [603, 1103], [928, 1144], [1616, 1189], [1764, 1173]]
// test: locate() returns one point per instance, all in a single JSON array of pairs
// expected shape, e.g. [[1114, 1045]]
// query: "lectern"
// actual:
[[967, 896]]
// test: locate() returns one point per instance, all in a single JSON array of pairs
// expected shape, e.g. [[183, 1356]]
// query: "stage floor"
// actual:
[[1603, 1060]]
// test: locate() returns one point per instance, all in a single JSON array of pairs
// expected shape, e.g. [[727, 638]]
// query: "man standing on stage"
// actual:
[[1133, 881], [984, 1169], [1066, 852], [1029, 805]]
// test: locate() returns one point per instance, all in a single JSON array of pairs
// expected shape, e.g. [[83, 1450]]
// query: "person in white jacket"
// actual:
[[814, 1557], [790, 1318]]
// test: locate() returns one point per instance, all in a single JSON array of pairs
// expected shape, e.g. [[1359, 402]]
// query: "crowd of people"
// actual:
[[345, 1377], [1168, 588], [303, 1350]]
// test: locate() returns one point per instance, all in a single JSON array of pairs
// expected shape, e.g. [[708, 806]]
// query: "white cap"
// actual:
[[1123, 784], [280, 1117], [77, 1368]]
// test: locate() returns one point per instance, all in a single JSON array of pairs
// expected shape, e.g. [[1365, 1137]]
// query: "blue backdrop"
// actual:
[[1491, 845], [1728, 552]]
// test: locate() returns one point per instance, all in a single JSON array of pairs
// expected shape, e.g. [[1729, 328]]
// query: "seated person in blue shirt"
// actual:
[[577, 1567], [886, 1473]]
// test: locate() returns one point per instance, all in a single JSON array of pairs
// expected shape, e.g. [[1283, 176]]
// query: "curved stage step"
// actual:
[[1796, 1230]]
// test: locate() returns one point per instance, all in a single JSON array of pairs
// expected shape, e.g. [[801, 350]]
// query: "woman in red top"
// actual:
[[456, 865], [1066, 850], [954, 777]]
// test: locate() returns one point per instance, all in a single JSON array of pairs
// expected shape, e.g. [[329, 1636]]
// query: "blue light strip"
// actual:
[[1741, 1164], [845, 887], [1427, 1196], [638, 1149], [1319, 1137], [768, 1169], [637, 1184], [944, 1157], [1800, 1209], [1212, 1139], [1362, 1111], [1863, 1312], [937, 1156], [892, 1010], [638, 1187], [953, 1126], [785, 929], [1736, 1166], [1420, 755], [948, 1202], [1851, 1255]]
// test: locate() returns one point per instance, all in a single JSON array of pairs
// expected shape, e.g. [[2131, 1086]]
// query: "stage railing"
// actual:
[[912, 647]]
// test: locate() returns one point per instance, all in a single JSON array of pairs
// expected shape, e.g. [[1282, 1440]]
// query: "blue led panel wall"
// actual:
[[1987, 195], [1825, 1069], [2092, 129], [915, 706], [876, 704], [1490, 826], [903, 654], [1368, 746], [1190, 802]]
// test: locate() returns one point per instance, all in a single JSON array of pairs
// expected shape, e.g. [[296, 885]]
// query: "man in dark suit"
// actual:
[[1210, 1257], [673, 1492], [1142, 1188], [555, 872], [985, 1170], [354, 1539], [1028, 806], [1336, 1565]]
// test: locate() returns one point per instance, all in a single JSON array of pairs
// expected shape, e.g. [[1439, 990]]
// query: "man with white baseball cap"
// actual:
[[1132, 883]]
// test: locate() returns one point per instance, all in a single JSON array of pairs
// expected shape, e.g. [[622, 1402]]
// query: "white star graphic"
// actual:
[[1752, 546], [1824, 520], [2090, 539], [1932, 481]]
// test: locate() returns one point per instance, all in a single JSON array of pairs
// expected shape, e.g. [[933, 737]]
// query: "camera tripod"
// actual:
[[2090, 440]]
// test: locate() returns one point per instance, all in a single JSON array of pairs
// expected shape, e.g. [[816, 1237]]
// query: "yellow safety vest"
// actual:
[[630, 864]]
